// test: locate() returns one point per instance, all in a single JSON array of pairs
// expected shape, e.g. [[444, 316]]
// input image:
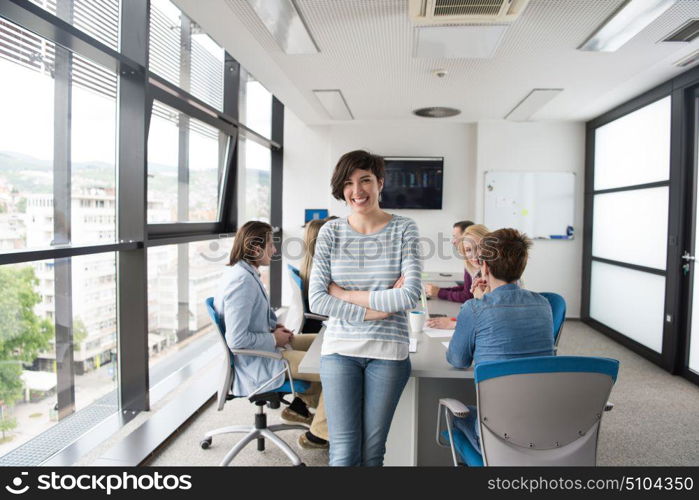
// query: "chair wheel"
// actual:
[[205, 443]]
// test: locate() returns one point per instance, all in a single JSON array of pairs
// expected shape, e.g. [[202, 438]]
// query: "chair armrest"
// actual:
[[319, 317], [609, 406], [451, 407], [456, 407], [261, 354]]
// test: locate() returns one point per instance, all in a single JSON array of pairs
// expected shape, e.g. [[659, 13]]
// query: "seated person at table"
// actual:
[[252, 324], [507, 323], [473, 287], [460, 293], [310, 235]]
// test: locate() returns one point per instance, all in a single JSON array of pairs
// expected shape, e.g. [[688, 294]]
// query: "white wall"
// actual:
[[468, 151], [306, 184], [312, 152], [455, 142], [554, 265]]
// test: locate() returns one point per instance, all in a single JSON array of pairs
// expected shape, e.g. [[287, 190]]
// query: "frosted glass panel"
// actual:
[[630, 302], [634, 149], [631, 226]]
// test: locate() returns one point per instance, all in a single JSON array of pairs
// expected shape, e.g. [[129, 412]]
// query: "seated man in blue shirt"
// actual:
[[508, 322]]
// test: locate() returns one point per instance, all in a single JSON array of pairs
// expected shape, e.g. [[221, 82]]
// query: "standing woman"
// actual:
[[364, 362]]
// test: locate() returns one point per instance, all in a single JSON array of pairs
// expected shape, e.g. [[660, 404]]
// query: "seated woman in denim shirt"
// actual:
[[509, 322]]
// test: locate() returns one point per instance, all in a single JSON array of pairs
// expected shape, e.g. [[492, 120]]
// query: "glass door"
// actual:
[[689, 265]]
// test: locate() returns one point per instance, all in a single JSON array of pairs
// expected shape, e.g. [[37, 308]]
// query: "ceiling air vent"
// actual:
[[685, 33], [436, 112], [465, 11]]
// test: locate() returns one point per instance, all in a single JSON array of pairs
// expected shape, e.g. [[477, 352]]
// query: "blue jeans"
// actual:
[[469, 426], [361, 395]]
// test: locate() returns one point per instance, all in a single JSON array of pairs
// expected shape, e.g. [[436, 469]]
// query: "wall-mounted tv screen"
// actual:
[[413, 182]]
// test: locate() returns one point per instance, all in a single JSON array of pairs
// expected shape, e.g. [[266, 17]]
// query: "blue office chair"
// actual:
[[538, 411], [273, 399], [558, 309], [298, 318]]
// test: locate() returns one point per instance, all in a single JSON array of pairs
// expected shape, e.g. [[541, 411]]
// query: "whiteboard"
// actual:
[[540, 204]]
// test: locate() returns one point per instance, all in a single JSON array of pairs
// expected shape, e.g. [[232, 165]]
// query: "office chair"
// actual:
[[296, 318], [558, 309], [273, 399], [538, 411]]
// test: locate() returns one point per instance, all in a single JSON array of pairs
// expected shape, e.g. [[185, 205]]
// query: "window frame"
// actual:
[[137, 89]]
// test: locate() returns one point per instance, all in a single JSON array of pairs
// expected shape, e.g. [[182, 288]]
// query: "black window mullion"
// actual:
[[627, 265], [229, 180], [277, 181], [634, 187], [677, 290], [34, 255], [132, 274], [588, 210]]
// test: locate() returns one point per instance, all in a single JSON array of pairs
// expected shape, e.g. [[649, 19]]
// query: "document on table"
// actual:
[[437, 332], [413, 345]]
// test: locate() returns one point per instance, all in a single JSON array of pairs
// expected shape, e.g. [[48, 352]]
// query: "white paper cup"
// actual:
[[417, 321]]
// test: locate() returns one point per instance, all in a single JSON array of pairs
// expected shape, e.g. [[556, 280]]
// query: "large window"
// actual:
[[185, 161], [184, 55], [253, 156], [180, 278], [38, 159], [34, 345], [258, 176], [256, 108], [117, 206]]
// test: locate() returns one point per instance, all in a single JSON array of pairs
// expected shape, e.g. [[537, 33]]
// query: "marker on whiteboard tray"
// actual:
[[559, 237]]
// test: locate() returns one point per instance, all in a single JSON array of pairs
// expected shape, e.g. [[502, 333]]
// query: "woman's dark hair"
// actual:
[[250, 241], [348, 163], [463, 224]]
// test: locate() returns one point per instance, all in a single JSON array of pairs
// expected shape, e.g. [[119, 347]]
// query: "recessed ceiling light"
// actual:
[[334, 103], [459, 42], [436, 112], [285, 24], [534, 101], [688, 59], [627, 22]]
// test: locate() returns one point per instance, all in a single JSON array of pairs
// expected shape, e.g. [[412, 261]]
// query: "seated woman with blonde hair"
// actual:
[[310, 236], [469, 244]]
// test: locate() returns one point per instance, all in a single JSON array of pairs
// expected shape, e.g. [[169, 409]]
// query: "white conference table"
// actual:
[[411, 440]]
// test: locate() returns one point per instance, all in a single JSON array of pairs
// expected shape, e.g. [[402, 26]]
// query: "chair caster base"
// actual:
[[205, 443]]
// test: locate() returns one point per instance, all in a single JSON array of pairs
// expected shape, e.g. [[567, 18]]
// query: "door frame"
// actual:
[[689, 97], [684, 171]]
